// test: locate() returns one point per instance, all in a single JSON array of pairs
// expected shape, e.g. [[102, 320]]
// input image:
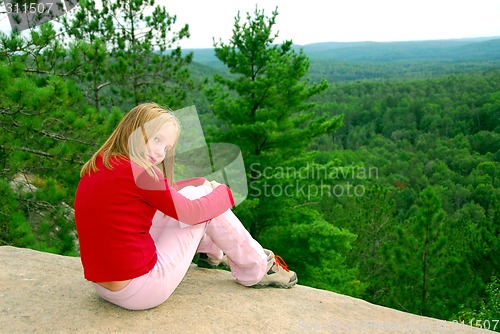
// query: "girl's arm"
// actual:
[[164, 197], [195, 181], [188, 211]]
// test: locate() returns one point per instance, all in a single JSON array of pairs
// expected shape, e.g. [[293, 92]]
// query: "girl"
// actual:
[[138, 230]]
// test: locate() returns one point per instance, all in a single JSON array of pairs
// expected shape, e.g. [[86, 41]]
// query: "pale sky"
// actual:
[[313, 21]]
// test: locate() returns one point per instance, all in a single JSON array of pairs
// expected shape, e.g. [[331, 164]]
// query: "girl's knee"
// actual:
[[193, 192]]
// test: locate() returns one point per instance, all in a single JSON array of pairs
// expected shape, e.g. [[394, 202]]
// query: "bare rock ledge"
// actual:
[[46, 293]]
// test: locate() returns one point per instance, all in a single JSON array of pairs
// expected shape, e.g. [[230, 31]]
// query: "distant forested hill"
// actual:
[[338, 62], [458, 50]]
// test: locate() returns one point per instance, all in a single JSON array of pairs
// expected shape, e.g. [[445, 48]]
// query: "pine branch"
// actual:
[[67, 74], [7, 110], [101, 86], [60, 137], [38, 152], [305, 204]]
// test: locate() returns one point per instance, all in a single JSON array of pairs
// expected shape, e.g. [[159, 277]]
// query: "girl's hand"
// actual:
[[211, 184], [214, 184]]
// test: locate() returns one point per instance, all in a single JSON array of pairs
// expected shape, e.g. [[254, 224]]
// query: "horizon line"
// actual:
[[371, 41]]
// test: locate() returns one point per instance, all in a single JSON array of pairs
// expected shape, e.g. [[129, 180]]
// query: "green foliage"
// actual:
[[488, 313], [271, 96], [127, 53], [314, 249], [264, 105], [36, 218], [372, 217], [45, 137], [14, 228], [420, 133], [426, 242]]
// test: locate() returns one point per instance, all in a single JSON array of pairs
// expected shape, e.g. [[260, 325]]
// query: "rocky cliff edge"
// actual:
[[46, 293]]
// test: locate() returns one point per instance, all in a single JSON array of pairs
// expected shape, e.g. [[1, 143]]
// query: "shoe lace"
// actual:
[[278, 260]]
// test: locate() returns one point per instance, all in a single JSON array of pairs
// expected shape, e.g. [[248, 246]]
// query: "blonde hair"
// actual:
[[131, 136]]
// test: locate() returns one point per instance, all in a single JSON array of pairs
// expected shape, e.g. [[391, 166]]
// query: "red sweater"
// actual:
[[113, 213]]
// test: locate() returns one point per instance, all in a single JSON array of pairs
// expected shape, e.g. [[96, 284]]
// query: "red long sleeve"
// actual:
[[113, 213], [195, 181]]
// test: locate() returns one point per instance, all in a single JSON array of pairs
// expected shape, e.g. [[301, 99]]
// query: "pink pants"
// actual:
[[176, 245]]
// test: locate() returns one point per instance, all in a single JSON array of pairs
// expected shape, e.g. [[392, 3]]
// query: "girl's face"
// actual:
[[161, 143]]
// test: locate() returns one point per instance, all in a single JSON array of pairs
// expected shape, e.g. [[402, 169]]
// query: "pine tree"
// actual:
[[372, 218], [264, 105], [45, 140], [264, 108], [128, 53], [36, 144], [420, 260], [429, 219]]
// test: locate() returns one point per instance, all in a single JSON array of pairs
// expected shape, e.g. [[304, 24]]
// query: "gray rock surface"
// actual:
[[46, 293]]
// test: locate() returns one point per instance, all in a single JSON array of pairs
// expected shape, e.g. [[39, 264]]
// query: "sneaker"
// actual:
[[204, 261], [278, 275]]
